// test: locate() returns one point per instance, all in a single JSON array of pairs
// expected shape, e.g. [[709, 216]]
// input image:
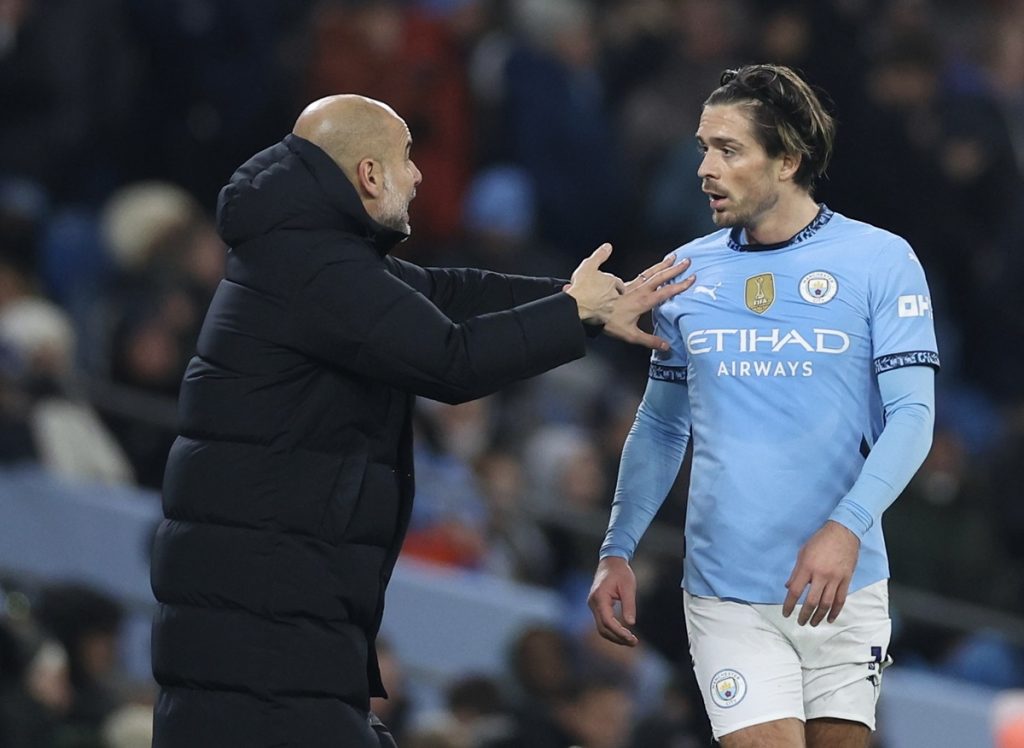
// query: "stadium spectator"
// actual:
[[35, 690], [86, 623], [67, 434]]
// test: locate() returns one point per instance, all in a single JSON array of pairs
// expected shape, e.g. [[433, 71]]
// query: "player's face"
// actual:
[[739, 178], [400, 180]]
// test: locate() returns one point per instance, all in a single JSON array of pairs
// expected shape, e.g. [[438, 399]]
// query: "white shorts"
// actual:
[[753, 665]]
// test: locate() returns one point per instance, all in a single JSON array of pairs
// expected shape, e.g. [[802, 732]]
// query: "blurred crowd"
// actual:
[[542, 128]]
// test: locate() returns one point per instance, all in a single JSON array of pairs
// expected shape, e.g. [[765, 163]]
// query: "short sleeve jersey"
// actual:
[[779, 348]]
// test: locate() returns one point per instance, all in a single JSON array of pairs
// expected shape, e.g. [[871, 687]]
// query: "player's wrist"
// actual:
[[613, 559], [839, 526]]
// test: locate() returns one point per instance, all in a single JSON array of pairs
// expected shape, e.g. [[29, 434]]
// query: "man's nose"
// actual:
[[706, 167]]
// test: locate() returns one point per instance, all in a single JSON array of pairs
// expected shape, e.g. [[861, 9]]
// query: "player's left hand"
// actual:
[[826, 563]]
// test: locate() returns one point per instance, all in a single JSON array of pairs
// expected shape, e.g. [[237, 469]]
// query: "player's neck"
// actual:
[[787, 218]]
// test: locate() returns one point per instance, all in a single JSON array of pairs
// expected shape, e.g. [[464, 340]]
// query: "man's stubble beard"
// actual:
[[749, 219], [393, 208]]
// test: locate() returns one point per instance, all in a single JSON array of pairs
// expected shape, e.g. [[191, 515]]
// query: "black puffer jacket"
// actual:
[[288, 492]]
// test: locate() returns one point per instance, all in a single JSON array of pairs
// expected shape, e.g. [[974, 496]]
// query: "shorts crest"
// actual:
[[728, 688]]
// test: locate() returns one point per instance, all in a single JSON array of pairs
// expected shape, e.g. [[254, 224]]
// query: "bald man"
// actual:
[[288, 492]]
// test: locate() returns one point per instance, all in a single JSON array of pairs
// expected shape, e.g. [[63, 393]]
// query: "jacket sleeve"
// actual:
[[356, 315], [462, 293]]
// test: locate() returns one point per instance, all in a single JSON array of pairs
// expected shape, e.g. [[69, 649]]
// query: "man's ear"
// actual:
[[369, 177], [790, 166]]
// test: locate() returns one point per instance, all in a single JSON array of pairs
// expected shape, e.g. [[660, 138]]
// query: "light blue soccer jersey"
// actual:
[[779, 347]]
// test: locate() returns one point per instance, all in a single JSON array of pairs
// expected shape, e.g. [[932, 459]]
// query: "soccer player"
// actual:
[[803, 363]]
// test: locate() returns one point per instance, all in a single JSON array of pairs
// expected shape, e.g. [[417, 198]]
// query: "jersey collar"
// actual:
[[824, 216]]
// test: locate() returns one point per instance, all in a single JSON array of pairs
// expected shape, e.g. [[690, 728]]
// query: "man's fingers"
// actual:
[[790, 603], [795, 585], [839, 602], [599, 256], [805, 611], [814, 596], [628, 599], [653, 270], [608, 626], [611, 629], [824, 604], [668, 272], [620, 634], [667, 292], [819, 614], [649, 341]]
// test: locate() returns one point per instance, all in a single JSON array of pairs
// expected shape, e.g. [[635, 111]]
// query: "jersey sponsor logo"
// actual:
[[760, 292], [711, 291], [765, 369], [752, 340], [728, 688], [914, 305], [818, 287]]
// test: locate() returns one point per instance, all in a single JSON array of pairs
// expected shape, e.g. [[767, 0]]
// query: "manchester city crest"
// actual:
[[818, 287], [760, 292], [728, 688]]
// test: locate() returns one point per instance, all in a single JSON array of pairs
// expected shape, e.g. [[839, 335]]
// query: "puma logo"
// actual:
[[711, 291]]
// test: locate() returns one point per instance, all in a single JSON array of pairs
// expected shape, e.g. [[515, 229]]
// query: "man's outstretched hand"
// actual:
[[603, 299]]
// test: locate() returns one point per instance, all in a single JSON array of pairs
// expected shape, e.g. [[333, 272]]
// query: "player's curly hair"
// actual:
[[788, 115]]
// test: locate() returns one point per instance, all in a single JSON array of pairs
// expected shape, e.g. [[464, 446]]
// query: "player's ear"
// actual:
[[790, 166]]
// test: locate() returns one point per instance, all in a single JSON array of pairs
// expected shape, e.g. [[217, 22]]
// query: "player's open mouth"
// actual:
[[716, 200]]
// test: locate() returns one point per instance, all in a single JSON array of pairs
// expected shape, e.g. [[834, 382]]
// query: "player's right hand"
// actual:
[[614, 582]]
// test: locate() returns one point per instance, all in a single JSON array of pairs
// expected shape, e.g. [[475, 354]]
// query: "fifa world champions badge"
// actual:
[[759, 293]]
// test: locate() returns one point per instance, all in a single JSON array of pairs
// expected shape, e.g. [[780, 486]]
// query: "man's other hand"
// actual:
[[825, 563], [614, 582], [594, 289]]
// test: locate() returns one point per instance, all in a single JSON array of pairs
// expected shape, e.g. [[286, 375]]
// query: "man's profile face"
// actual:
[[399, 184], [736, 173]]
